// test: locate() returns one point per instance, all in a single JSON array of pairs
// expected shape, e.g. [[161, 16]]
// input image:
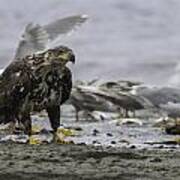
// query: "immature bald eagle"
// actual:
[[37, 82]]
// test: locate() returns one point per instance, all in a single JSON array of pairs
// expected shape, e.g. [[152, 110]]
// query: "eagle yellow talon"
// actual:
[[35, 129], [65, 132], [34, 140], [61, 134]]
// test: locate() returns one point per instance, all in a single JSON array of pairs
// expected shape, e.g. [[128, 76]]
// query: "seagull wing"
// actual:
[[34, 39], [65, 25]]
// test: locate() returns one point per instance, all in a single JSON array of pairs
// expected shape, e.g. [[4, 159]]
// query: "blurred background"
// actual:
[[123, 39]]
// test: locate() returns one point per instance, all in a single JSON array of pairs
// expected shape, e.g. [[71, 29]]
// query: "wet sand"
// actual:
[[53, 161]]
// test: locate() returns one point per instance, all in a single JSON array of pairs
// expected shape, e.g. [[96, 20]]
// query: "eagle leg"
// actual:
[[12, 122], [54, 116], [12, 127], [26, 121]]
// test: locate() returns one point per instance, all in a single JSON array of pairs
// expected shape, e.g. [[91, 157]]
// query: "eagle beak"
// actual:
[[72, 58], [67, 57]]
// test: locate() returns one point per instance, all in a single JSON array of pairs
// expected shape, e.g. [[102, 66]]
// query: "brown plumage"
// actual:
[[38, 82]]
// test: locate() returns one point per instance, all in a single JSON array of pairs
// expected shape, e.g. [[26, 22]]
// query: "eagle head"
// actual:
[[60, 54]]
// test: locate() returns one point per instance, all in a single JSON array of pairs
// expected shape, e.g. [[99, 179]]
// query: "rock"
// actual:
[[173, 129], [15, 138], [132, 147], [124, 141], [76, 128], [109, 134], [129, 121], [95, 132], [113, 142], [163, 122], [155, 160], [170, 125], [95, 142]]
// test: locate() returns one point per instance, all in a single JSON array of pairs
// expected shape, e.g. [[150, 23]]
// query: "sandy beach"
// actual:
[[52, 161]]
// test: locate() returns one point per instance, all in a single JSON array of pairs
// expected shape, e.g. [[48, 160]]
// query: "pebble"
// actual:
[[109, 134], [174, 130], [95, 132], [132, 147], [156, 160], [96, 142], [11, 163], [113, 142]]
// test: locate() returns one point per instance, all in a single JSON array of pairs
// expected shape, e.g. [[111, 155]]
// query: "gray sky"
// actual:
[[134, 39]]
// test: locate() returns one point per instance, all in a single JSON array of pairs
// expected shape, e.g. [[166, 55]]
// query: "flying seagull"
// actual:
[[37, 38]]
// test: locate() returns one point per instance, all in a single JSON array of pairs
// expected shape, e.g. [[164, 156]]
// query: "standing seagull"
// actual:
[[86, 100], [94, 98], [165, 99]]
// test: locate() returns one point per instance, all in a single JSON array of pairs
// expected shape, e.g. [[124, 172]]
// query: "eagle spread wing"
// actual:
[[37, 82], [36, 37]]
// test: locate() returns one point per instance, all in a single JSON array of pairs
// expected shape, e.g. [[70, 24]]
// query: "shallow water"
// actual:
[[108, 132], [135, 39]]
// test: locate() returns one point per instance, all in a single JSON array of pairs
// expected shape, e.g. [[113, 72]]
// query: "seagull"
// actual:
[[37, 38], [84, 98], [95, 98], [165, 99]]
